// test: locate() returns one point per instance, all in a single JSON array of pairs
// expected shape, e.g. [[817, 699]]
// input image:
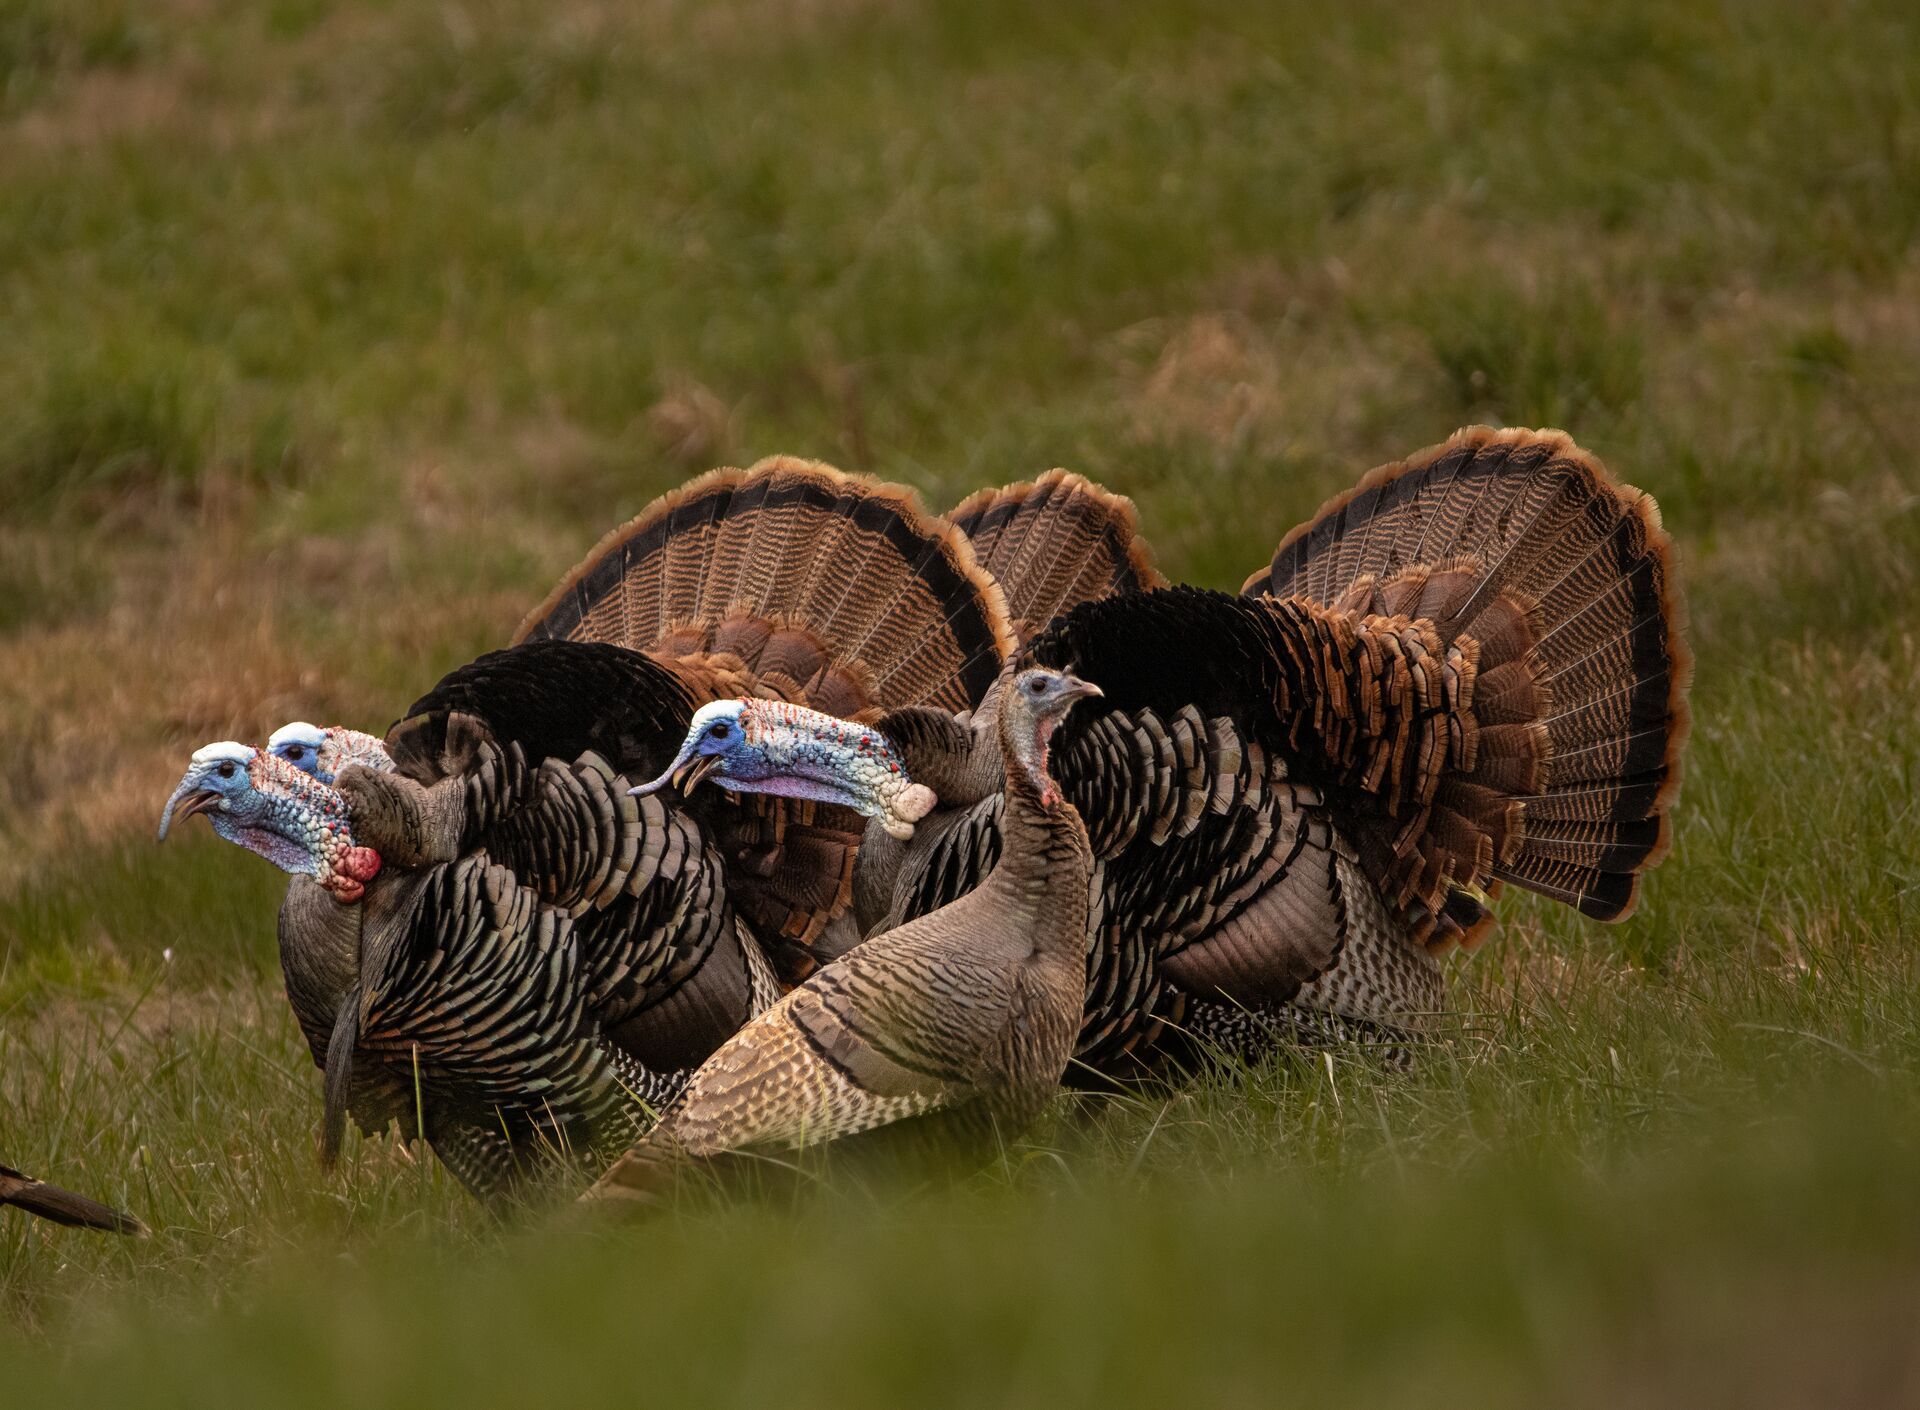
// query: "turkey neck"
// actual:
[[1046, 865]]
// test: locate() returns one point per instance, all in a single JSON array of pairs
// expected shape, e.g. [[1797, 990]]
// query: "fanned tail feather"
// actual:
[[828, 588], [1055, 542], [1555, 587]]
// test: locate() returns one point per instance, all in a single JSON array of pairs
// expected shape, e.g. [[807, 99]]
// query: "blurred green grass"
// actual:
[[337, 331]]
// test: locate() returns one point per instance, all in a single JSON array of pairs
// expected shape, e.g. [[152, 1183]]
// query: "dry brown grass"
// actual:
[[200, 638]]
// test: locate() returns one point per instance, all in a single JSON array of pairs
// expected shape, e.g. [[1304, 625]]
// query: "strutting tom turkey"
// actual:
[[1470, 670], [499, 1010], [792, 581]]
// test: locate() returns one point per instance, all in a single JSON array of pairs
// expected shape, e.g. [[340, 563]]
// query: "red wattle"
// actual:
[[360, 863]]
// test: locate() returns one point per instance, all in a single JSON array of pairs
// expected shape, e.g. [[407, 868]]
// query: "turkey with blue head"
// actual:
[[541, 950], [258, 801]]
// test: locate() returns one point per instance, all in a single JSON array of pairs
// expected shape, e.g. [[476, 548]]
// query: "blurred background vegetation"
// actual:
[[331, 333]]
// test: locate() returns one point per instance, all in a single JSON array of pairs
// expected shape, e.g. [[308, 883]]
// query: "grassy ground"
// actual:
[[336, 331]]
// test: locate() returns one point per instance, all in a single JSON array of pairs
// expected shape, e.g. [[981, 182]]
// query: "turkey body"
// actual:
[[530, 997]]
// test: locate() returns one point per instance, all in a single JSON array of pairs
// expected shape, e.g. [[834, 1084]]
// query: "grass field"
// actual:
[[335, 332]]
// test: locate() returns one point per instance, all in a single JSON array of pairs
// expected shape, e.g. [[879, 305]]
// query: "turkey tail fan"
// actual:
[[63, 1206], [825, 588], [1055, 542], [1561, 582], [794, 581]]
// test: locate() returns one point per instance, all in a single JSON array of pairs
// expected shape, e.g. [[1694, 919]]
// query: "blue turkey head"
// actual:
[[299, 744], [716, 746], [771, 746], [264, 804], [219, 782], [323, 753]]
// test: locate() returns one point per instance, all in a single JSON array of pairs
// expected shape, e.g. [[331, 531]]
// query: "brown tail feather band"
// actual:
[[1521, 542], [1055, 542], [837, 567]]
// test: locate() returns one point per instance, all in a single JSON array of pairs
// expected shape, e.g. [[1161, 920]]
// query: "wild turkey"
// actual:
[[1468, 670], [939, 1036], [64, 1206], [791, 581], [585, 944], [450, 999], [1052, 544]]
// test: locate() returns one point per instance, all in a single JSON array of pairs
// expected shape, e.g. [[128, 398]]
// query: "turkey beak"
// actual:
[[185, 803], [685, 774], [1078, 690], [691, 774]]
